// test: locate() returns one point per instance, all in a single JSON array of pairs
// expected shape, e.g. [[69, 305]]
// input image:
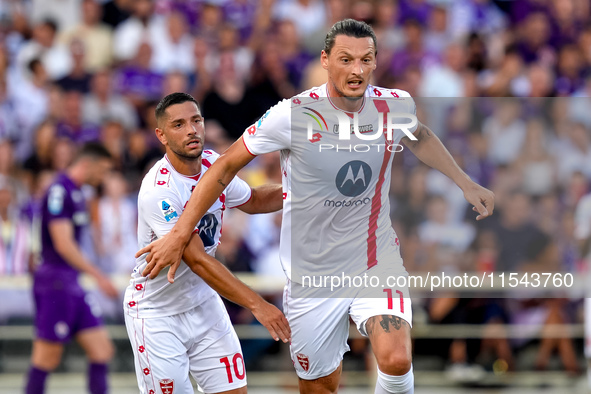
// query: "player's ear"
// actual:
[[160, 135], [324, 59]]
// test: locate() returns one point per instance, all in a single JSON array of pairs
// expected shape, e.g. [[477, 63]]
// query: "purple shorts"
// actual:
[[61, 314]]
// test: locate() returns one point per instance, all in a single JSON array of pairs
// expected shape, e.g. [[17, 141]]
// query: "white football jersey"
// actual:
[[162, 198], [336, 212]]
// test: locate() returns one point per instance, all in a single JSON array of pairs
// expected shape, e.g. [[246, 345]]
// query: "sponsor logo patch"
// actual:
[[168, 211]]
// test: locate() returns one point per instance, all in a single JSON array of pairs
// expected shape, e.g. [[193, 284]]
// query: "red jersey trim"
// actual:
[[376, 204], [247, 147], [245, 202]]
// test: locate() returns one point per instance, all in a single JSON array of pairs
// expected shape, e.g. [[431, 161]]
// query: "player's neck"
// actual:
[[347, 104], [184, 166]]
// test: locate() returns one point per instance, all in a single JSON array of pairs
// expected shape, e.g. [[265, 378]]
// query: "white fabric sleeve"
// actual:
[[272, 132], [161, 209], [238, 193], [411, 105]]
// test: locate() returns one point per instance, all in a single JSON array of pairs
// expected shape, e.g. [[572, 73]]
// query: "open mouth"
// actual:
[[355, 83], [193, 144]]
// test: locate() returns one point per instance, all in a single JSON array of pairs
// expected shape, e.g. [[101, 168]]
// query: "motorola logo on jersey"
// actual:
[[353, 178]]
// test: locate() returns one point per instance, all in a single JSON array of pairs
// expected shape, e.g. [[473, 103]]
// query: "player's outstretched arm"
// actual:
[[61, 232], [431, 151], [228, 286], [169, 249], [265, 199]]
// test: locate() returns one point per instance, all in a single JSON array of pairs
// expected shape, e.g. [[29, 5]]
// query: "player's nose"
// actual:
[[357, 67]]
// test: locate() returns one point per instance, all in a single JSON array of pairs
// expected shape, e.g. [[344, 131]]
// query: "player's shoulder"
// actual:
[[208, 157], [380, 92], [157, 181], [59, 187], [313, 95]]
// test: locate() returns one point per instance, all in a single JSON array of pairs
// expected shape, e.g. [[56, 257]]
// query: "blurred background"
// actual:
[[503, 83]]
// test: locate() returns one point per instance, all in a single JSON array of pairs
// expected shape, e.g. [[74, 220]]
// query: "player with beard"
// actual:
[[182, 328], [342, 201]]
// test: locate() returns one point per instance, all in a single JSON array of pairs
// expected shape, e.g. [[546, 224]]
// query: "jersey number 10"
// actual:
[[236, 360]]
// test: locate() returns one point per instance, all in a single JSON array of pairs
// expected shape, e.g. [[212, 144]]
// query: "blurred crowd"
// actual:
[[73, 71]]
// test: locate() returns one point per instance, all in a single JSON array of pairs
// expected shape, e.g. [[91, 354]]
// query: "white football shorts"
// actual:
[[201, 342], [320, 326]]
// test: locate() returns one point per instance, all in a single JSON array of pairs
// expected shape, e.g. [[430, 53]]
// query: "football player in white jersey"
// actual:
[[181, 327], [343, 211]]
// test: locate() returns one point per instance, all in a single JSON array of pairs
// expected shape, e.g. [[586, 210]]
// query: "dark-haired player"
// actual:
[[64, 310], [342, 199], [182, 328]]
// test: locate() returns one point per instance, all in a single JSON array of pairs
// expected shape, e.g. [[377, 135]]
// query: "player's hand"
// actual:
[[273, 320], [163, 252], [482, 199], [107, 286]]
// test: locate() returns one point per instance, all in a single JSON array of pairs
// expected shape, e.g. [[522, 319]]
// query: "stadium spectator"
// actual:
[[137, 82], [229, 96], [44, 144], [65, 13], [103, 104], [536, 165], [77, 79], [31, 99], [8, 120], [505, 132], [72, 124], [116, 11], [413, 54], [307, 15], [514, 230], [44, 45], [446, 79], [172, 46], [16, 257], [116, 227], [143, 26], [96, 37]]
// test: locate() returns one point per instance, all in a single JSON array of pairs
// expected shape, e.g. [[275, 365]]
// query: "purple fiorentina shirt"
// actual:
[[63, 200]]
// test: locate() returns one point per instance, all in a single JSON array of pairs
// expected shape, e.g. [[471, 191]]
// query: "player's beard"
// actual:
[[183, 154], [345, 96]]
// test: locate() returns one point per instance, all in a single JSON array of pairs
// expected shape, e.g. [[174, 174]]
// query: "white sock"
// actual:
[[389, 384]]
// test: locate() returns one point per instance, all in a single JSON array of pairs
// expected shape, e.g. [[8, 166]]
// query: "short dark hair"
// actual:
[[172, 99], [351, 28], [93, 150]]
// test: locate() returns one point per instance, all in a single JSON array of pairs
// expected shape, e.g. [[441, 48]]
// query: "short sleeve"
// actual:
[[161, 210], [238, 193], [272, 132], [59, 203], [411, 107]]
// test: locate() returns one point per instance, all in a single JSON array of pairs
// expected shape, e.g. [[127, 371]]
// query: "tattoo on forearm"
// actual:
[[423, 133], [221, 183]]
